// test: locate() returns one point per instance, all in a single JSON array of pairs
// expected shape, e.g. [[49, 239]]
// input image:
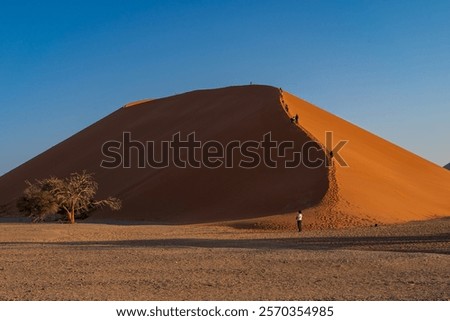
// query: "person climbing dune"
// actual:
[[294, 119]]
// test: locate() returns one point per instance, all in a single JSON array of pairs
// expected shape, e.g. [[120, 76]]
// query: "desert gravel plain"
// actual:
[[89, 261]]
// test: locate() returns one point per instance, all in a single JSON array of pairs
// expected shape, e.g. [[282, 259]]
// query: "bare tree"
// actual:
[[73, 195]]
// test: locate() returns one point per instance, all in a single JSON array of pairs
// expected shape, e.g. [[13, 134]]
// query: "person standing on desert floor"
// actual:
[[299, 221]]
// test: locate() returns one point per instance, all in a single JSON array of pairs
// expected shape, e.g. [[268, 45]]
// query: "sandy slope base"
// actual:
[[206, 262]]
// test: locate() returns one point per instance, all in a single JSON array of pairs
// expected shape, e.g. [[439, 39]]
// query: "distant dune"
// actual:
[[383, 183], [137, 102], [447, 166]]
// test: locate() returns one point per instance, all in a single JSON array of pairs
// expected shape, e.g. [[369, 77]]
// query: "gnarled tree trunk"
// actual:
[[72, 216]]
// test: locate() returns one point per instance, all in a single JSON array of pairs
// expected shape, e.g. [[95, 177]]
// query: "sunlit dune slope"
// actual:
[[383, 183]]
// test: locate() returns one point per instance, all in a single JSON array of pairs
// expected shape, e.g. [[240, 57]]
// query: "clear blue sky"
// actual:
[[384, 65]]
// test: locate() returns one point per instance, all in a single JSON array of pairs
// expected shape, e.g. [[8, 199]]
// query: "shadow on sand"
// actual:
[[439, 243]]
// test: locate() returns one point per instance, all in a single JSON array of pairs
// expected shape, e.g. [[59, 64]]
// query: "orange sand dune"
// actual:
[[382, 184]]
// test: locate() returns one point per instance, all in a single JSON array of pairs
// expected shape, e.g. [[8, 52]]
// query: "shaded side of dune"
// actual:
[[187, 195]]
